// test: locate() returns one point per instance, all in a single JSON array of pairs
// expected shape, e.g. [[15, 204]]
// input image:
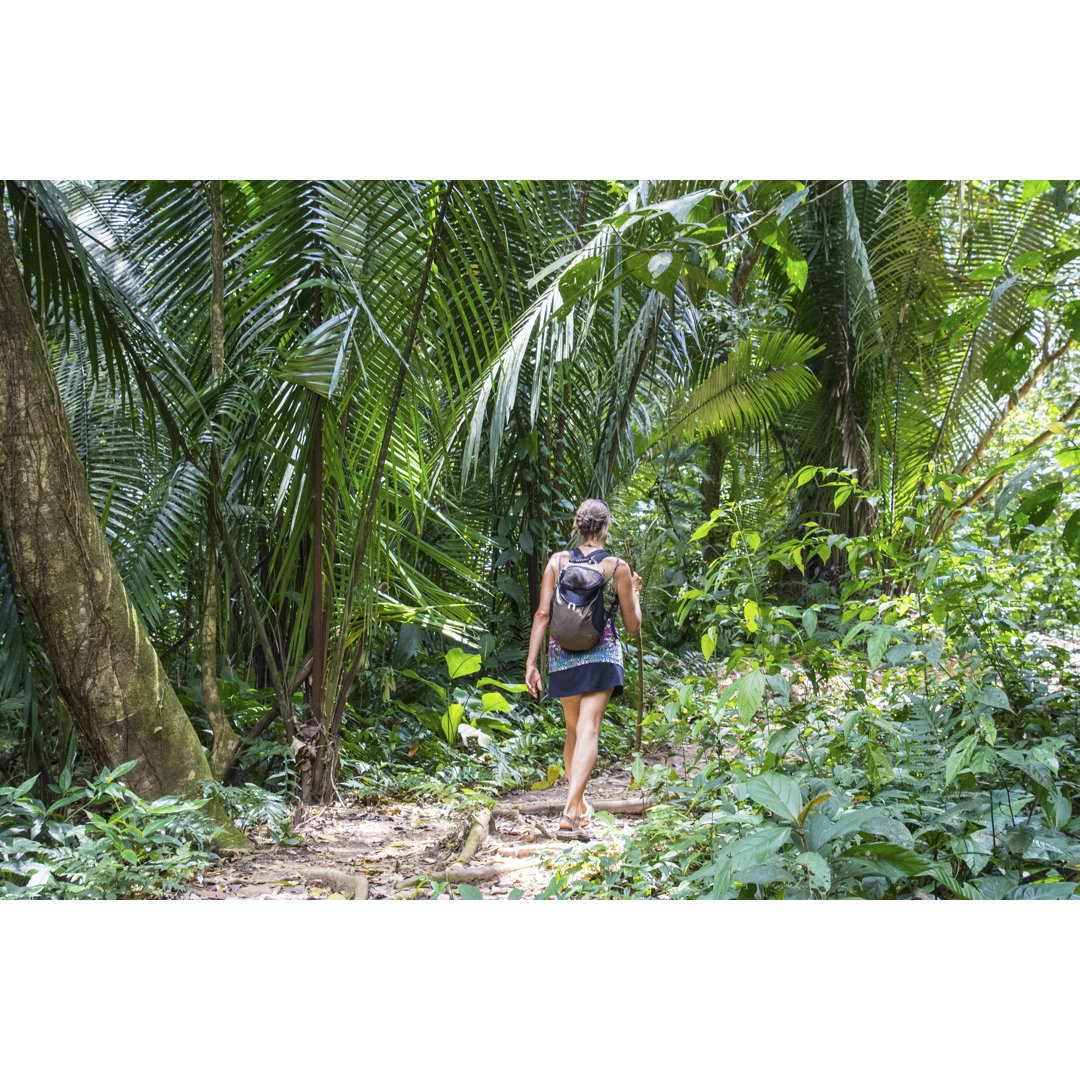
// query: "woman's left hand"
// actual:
[[532, 679]]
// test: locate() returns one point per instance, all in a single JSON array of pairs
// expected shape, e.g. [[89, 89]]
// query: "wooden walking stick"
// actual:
[[640, 660]]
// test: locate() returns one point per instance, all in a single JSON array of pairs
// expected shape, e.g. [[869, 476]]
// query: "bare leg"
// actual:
[[570, 713], [590, 712]]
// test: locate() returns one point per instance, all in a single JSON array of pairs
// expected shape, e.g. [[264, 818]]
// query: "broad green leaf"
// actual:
[[659, 271], [469, 892], [1056, 807], [1038, 296], [960, 756], [1070, 316], [512, 688], [810, 622], [23, 788], [427, 682], [995, 697], [780, 741], [966, 319], [574, 282], [791, 203], [820, 875], [707, 527], [765, 873], [1059, 259], [1007, 362], [1039, 505], [899, 652], [494, 702], [780, 686], [891, 860], [1044, 890], [751, 690], [777, 792], [878, 641], [920, 192], [797, 272], [863, 819], [450, 719], [749, 850], [750, 614], [1028, 261], [460, 663], [708, 642], [987, 272], [1032, 189]]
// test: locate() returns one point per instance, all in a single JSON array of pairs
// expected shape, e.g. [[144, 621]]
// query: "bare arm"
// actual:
[[539, 626], [628, 588]]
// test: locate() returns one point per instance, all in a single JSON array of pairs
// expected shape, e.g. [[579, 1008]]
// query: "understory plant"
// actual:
[[897, 732], [99, 840]]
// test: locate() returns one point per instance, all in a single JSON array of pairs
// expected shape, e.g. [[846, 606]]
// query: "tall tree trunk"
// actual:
[[718, 444], [106, 668], [320, 619], [343, 687], [226, 740]]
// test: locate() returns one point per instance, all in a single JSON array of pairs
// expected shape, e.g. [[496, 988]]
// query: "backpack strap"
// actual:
[[615, 602]]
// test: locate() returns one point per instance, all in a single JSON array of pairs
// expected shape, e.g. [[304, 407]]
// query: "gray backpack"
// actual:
[[577, 615]]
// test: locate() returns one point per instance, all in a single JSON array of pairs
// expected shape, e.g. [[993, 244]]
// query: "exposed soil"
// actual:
[[350, 849]]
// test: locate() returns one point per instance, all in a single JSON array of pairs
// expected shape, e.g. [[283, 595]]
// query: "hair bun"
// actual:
[[593, 518]]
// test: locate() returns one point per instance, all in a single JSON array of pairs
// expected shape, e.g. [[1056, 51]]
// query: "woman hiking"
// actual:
[[584, 680]]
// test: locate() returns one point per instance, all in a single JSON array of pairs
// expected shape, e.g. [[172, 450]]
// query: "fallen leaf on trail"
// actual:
[[336, 896], [553, 774], [315, 892]]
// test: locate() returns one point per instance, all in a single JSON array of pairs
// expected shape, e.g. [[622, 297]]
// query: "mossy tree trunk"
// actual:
[[108, 673]]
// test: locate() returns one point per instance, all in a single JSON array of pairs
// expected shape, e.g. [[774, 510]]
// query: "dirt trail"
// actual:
[[375, 849]]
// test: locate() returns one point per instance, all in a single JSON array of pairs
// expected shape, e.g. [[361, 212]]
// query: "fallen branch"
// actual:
[[612, 806], [466, 874]]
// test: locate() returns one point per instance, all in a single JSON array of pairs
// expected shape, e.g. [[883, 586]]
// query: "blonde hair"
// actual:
[[593, 518]]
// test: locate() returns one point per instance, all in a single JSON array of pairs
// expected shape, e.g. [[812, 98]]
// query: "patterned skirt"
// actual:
[[598, 668]]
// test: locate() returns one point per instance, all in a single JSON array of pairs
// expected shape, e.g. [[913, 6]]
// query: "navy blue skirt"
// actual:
[[586, 678]]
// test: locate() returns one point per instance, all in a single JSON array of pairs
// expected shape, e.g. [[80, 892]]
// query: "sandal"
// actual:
[[574, 832], [586, 819]]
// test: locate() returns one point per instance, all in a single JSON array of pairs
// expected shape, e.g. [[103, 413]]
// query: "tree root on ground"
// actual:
[[525, 850], [456, 875], [612, 806], [481, 826], [356, 884], [512, 814]]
